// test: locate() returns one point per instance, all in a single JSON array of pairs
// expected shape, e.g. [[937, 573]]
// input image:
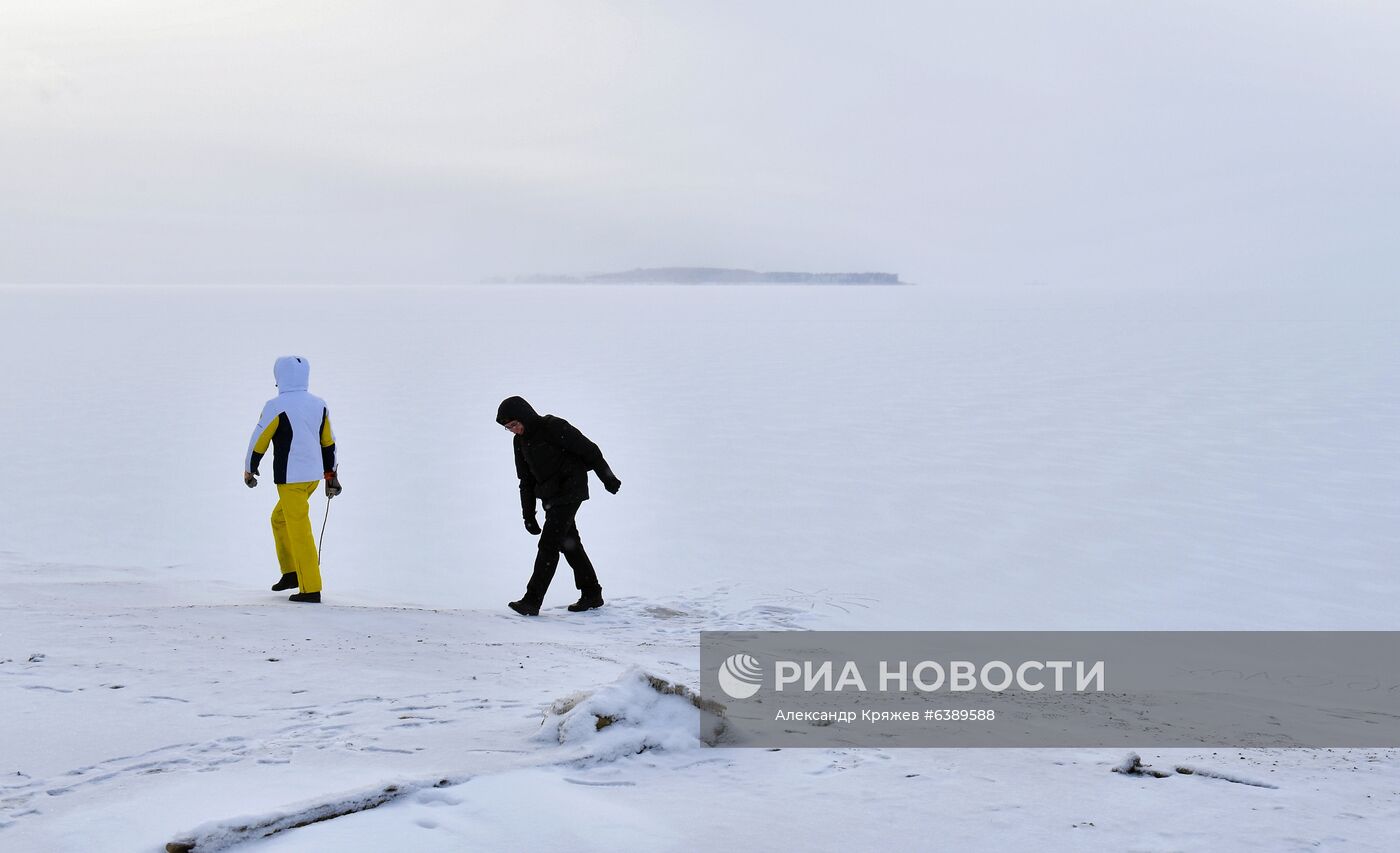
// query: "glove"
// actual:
[[610, 482], [250, 480], [332, 484], [532, 525]]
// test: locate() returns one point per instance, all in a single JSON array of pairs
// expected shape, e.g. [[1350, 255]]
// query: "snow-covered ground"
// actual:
[[791, 457]]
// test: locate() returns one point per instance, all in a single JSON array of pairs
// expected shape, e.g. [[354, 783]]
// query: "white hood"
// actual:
[[292, 373]]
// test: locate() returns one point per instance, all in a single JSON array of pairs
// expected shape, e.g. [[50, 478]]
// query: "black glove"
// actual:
[[532, 525], [332, 485], [610, 481], [250, 480]]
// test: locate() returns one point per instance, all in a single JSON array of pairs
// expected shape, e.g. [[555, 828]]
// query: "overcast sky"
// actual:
[[1117, 143]]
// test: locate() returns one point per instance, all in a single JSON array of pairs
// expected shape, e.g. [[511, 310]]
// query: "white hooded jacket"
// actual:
[[297, 424]]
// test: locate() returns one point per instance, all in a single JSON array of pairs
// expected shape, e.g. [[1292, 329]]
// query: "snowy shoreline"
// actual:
[[890, 458]]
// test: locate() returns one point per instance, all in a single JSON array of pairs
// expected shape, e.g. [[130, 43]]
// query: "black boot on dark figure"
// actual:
[[524, 608], [589, 599]]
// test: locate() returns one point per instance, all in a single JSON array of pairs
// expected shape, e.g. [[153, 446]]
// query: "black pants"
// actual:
[[560, 535]]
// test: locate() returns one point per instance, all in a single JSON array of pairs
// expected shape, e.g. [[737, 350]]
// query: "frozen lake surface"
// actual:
[[1028, 458]]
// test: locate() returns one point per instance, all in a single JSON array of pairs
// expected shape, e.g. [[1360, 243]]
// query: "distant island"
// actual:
[[704, 275]]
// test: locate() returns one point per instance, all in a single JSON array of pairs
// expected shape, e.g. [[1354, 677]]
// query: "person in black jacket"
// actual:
[[552, 460]]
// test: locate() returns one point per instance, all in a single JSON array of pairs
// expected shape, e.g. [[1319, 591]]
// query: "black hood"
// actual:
[[516, 409]]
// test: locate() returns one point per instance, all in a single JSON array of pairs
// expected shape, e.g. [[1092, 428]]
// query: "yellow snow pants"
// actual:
[[291, 531]]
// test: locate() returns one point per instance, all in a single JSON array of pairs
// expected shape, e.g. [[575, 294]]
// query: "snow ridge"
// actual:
[[222, 834]]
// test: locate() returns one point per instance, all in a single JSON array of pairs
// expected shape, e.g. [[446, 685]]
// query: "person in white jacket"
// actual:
[[297, 425]]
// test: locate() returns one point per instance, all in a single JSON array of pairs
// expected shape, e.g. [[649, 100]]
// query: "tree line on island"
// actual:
[[704, 275]]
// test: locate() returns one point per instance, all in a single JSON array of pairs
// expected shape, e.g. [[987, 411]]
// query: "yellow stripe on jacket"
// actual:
[[260, 446]]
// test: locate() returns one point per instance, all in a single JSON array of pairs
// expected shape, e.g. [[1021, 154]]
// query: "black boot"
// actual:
[[525, 607], [305, 597], [588, 600], [288, 581]]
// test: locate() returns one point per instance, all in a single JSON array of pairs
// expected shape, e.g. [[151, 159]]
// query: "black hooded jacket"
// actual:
[[552, 458]]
